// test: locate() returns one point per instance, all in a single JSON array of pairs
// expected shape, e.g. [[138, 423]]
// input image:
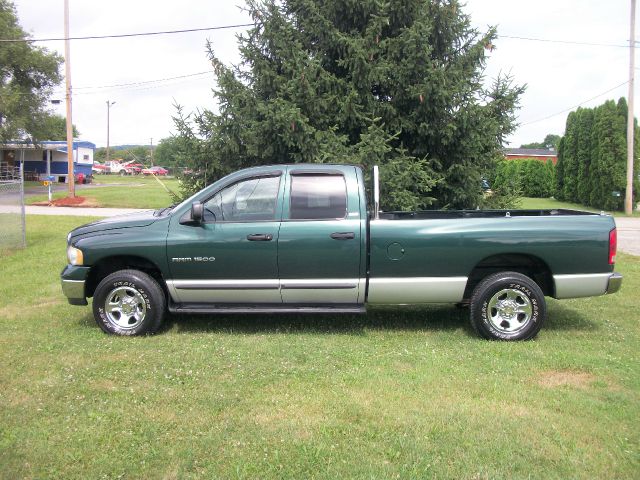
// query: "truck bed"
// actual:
[[451, 214]]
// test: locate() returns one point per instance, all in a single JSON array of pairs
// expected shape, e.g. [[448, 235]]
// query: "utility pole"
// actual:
[[152, 151], [628, 198], [109, 103], [67, 66]]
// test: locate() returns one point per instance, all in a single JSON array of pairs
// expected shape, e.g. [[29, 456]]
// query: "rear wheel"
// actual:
[[508, 306], [129, 302]]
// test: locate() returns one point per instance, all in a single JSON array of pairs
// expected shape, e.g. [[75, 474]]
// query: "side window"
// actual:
[[316, 197], [248, 200]]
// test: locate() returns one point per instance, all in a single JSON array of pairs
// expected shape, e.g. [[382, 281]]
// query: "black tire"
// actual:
[[508, 306], [123, 173], [129, 302]]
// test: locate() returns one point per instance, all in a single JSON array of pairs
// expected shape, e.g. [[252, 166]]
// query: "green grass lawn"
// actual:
[[551, 203], [398, 393], [123, 192], [128, 179]]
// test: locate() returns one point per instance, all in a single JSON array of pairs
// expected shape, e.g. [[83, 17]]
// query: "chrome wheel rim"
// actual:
[[125, 308], [510, 310]]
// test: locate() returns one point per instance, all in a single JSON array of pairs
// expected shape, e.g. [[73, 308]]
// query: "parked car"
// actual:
[[303, 238], [155, 171], [134, 168]]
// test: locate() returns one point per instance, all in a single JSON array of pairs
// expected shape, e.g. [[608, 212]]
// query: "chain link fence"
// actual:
[[12, 214]]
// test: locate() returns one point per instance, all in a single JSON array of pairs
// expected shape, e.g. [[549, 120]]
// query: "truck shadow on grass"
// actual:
[[431, 318]]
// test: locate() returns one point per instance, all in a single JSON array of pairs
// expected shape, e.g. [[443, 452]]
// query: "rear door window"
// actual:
[[318, 197]]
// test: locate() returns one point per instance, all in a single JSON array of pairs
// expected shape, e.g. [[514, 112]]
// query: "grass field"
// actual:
[[124, 192], [398, 393], [551, 203]]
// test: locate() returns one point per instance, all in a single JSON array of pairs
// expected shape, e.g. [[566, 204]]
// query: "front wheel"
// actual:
[[508, 306], [129, 302]]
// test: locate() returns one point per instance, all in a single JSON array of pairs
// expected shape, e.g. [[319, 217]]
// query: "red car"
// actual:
[[133, 168], [155, 171]]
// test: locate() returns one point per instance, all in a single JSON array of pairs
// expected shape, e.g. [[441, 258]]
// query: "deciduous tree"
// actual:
[[27, 75]]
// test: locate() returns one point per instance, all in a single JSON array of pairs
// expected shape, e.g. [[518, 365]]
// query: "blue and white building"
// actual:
[[47, 158]]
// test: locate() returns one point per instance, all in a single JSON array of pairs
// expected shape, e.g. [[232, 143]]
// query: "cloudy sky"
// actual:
[[559, 75]]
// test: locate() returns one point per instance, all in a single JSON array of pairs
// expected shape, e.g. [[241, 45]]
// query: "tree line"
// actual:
[[592, 157]]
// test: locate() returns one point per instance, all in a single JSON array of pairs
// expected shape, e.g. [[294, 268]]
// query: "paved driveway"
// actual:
[[72, 211], [629, 234], [80, 211]]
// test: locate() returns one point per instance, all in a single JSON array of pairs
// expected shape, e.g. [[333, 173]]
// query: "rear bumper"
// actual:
[[73, 281], [615, 282], [586, 285]]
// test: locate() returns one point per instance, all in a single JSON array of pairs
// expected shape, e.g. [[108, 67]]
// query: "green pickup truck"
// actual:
[[302, 238]]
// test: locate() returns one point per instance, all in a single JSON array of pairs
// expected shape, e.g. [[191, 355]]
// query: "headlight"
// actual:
[[74, 256]]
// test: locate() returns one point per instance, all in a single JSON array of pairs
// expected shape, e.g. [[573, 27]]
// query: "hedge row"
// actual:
[[532, 178]]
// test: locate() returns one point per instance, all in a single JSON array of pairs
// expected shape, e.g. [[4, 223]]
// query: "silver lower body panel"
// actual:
[[586, 285], [288, 291], [411, 290]]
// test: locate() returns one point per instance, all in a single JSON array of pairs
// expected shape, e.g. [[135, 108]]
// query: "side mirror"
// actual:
[[195, 216], [197, 212]]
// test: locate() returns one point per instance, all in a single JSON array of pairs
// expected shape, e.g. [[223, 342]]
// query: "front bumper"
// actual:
[[73, 284]]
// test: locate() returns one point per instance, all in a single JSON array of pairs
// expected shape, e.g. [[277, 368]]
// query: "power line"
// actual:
[[138, 88], [144, 82], [124, 35], [568, 42], [575, 106], [243, 25], [118, 86]]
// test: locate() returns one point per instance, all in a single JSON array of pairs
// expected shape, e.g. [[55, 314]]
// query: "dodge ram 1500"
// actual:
[[302, 238]]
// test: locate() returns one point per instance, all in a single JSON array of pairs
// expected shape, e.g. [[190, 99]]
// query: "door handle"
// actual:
[[260, 237], [343, 235]]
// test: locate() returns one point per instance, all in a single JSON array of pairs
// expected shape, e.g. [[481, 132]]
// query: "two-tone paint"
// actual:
[[392, 259]]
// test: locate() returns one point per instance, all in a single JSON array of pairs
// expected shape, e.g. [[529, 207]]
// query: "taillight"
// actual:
[[613, 246]]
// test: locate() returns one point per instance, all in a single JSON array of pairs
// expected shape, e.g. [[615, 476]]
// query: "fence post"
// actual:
[[22, 209]]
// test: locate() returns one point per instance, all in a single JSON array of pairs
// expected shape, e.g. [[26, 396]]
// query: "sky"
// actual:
[[559, 76]]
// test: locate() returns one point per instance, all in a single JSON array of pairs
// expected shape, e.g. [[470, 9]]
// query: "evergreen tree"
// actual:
[[610, 130], [397, 83], [550, 178], [570, 167], [594, 167], [583, 154], [558, 191]]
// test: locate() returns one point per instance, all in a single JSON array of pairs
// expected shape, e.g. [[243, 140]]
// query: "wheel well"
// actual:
[[529, 265], [108, 265]]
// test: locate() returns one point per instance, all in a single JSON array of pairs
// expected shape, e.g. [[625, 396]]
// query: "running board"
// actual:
[[268, 308]]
